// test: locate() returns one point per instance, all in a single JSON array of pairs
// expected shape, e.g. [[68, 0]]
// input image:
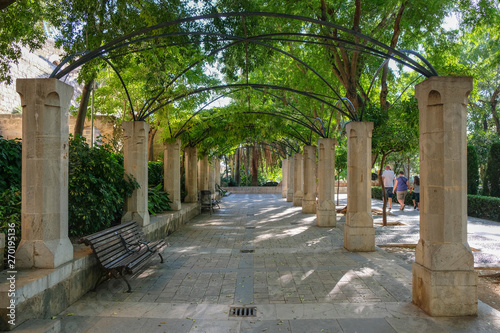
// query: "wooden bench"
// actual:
[[122, 250]]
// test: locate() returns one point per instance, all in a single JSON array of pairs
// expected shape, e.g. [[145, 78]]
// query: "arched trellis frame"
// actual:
[[388, 53]]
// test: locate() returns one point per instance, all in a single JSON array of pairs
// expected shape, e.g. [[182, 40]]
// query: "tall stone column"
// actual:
[[309, 177], [203, 174], [191, 176], [359, 233], [172, 172], [135, 161], [290, 179], [284, 176], [326, 214], [44, 215], [298, 179], [217, 176], [444, 281], [211, 175]]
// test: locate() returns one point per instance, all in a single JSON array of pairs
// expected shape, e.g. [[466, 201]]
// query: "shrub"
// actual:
[[491, 184], [472, 170], [483, 207], [158, 200], [10, 164], [10, 212], [155, 173], [97, 187]]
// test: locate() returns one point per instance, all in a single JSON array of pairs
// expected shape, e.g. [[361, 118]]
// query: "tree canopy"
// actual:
[[286, 80]]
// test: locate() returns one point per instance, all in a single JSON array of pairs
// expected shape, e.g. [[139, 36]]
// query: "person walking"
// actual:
[[388, 179], [401, 185], [415, 189]]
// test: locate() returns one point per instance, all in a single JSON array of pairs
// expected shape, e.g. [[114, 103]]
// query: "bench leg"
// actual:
[[128, 284], [100, 280], [161, 257]]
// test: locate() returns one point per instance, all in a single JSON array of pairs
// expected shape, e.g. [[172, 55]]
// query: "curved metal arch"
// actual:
[[196, 91], [280, 114], [144, 110], [93, 53]]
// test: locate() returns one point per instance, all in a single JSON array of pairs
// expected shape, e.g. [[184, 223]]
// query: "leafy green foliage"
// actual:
[[483, 207], [10, 164], [20, 24], [155, 173], [97, 187], [472, 170], [491, 183], [158, 201], [10, 212]]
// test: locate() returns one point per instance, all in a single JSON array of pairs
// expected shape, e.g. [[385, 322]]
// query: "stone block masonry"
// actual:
[[37, 64]]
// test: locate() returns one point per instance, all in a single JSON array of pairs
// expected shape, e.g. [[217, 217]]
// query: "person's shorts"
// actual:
[[401, 195], [388, 192], [416, 197]]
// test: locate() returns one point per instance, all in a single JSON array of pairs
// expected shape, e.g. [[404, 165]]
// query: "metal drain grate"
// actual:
[[247, 251], [242, 312]]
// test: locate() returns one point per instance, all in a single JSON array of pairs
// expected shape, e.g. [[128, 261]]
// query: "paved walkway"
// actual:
[[259, 251]]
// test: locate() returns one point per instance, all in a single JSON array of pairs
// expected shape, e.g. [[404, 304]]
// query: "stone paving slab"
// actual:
[[259, 251]]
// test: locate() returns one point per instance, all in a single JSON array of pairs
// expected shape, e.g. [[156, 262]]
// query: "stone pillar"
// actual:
[[298, 179], [284, 176], [309, 177], [217, 171], [211, 175], [203, 174], [135, 161], [172, 172], [44, 215], [444, 281], [191, 176], [290, 178], [326, 214], [359, 233]]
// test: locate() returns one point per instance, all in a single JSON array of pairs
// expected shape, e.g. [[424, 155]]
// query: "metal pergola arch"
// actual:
[[146, 111]]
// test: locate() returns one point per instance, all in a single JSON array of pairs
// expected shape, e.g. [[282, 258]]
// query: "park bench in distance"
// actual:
[[122, 250]]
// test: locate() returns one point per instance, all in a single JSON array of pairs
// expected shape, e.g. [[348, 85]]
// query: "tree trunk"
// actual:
[[82, 110], [493, 108], [151, 136]]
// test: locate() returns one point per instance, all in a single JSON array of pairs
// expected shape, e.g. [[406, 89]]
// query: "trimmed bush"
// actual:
[[491, 184], [483, 207], [472, 170]]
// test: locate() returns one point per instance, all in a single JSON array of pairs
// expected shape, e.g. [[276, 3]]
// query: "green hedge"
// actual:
[[483, 207], [477, 206]]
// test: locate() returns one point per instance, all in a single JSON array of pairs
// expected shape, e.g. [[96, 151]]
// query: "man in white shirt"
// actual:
[[388, 179]]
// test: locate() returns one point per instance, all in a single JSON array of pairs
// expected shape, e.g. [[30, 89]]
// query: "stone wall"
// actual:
[[37, 64], [11, 126]]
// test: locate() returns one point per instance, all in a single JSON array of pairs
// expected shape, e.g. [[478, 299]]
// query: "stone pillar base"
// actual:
[[359, 239], [142, 219], [445, 293], [44, 254], [308, 206], [289, 196], [297, 199], [326, 218]]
